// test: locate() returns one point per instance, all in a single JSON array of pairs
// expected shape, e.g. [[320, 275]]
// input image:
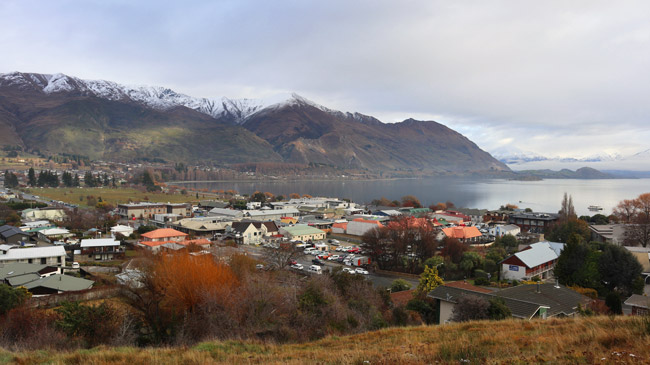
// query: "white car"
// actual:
[[348, 270], [333, 258], [359, 270], [297, 266]]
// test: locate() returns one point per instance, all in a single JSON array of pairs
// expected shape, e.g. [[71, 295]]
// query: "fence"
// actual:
[[52, 300]]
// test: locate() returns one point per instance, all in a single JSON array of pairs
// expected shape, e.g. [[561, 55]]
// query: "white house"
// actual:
[[537, 259], [50, 255], [502, 230], [359, 226], [125, 231]]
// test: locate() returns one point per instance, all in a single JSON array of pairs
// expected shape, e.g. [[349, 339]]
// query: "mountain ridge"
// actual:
[[63, 114]]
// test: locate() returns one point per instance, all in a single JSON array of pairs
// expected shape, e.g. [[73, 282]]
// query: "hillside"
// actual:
[[590, 340], [581, 173], [59, 114]]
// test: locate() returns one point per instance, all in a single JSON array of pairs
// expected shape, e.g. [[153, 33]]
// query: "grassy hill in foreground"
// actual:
[[590, 340]]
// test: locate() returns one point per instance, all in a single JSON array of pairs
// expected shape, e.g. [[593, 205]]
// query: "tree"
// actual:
[[618, 268], [453, 249], [258, 196], [31, 177], [399, 285], [429, 280], [470, 261], [12, 297], [563, 229], [575, 266], [470, 308], [498, 309], [411, 201], [281, 257], [11, 180], [89, 179], [613, 301], [567, 211], [93, 324], [635, 214]]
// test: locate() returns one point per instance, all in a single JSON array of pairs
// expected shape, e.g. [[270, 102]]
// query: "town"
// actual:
[[166, 267]]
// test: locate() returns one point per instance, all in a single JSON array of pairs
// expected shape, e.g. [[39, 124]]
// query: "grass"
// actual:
[[113, 196], [589, 340]]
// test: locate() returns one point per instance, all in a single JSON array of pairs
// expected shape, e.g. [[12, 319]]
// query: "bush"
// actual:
[[12, 297], [92, 324], [481, 281], [470, 308], [399, 285], [613, 301]]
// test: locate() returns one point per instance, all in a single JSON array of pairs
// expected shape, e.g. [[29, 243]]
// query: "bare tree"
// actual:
[[281, 256], [635, 214]]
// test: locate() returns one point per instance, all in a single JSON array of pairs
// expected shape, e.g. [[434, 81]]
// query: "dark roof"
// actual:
[[271, 226], [12, 231], [243, 226], [5, 227], [523, 300], [536, 216], [213, 204], [559, 299]]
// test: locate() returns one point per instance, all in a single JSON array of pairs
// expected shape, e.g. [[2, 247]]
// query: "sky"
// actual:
[[555, 78]]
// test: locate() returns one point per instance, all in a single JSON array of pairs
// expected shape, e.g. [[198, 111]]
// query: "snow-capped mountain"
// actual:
[[155, 97]]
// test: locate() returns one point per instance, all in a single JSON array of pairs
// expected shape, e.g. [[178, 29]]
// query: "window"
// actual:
[[43, 261], [58, 259]]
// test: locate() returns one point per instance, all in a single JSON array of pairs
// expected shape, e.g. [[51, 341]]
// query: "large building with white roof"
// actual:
[[50, 255], [537, 259]]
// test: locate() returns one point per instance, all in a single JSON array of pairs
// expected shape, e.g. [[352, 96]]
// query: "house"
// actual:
[[56, 284], [13, 235], [474, 215], [253, 205], [16, 274], [524, 301], [301, 232], [49, 255], [502, 230], [640, 304], [152, 240], [174, 246], [102, 249], [125, 231], [416, 212], [463, 234], [533, 222], [359, 226], [537, 259], [248, 233], [388, 213], [49, 213], [211, 204], [54, 234], [448, 218], [642, 255], [35, 224], [148, 210]]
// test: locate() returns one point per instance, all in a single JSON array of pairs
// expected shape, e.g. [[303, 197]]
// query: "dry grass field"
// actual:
[[113, 196], [591, 340]]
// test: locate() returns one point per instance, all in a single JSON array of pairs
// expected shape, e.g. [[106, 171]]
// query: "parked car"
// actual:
[[317, 262], [75, 265], [323, 256], [315, 269], [348, 270], [292, 262], [359, 270], [333, 258], [297, 266], [259, 267]]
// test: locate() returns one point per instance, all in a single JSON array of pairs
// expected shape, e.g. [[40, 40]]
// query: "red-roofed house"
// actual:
[[463, 234], [154, 239], [359, 226]]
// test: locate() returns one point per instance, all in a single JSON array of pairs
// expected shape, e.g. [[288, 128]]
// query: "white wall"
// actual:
[[507, 273]]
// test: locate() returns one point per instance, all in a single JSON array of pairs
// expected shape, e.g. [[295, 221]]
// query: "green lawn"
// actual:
[[113, 196]]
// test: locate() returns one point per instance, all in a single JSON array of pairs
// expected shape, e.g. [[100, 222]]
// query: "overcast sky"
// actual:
[[558, 78]]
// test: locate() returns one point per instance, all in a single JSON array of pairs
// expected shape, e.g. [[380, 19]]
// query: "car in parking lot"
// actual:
[[259, 267], [348, 270], [333, 258], [362, 271], [317, 262], [297, 266]]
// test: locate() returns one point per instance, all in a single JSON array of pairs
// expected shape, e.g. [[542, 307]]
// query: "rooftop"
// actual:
[[163, 233]]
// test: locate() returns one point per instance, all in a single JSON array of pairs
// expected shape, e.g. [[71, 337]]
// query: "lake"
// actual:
[[541, 196]]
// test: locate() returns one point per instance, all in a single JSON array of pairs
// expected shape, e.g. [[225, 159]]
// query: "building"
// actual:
[[359, 226], [642, 254], [176, 246], [125, 231], [533, 222], [102, 249], [49, 255], [640, 304], [226, 213], [524, 301], [13, 235], [16, 274], [56, 284], [463, 234], [50, 213], [610, 233], [301, 232], [148, 210], [502, 230], [203, 226], [54, 234], [35, 224], [537, 259], [271, 215], [340, 227], [154, 239]]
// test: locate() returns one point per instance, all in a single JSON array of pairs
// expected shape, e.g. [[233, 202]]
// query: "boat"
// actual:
[[595, 208]]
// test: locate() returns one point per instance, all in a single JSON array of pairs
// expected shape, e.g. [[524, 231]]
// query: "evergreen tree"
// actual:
[[89, 179], [11, 180], [75, 182], [31, 177]]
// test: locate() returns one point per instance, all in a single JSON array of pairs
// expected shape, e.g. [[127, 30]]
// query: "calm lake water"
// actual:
[[541, 196]]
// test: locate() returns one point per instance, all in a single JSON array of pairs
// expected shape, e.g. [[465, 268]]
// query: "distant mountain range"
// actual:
[[58, 114], [635, 165]]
